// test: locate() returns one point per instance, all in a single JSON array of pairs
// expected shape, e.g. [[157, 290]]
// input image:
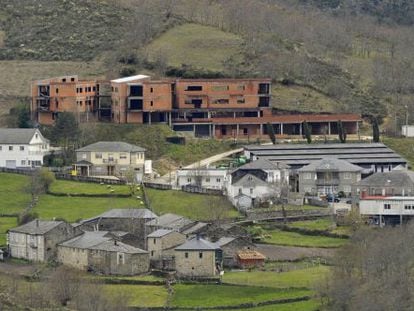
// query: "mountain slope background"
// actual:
[[342, 55]]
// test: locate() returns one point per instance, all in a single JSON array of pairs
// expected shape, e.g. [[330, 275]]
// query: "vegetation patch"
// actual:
[[140, 295], [6, 223], [296, 278], [285, 238], [223, 295], [403, 146], [184, 45], [308, 305], [191, 205], [14, 193], [73, 187]]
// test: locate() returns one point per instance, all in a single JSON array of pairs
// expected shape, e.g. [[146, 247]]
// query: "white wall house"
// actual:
[[386, 210], [22, 148], [209, 178]]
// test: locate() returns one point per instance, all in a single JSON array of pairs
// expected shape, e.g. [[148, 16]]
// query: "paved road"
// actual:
[[207, 161]]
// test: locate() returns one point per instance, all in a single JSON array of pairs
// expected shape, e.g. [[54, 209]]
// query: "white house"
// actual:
[[22, 148], [407, 130], [258, 180], [387, 210], [209, 178]]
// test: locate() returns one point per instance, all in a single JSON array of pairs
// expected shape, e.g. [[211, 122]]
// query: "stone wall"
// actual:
[[193, 265]]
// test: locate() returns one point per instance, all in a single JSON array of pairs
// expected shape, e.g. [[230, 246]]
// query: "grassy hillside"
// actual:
[[196, 45]]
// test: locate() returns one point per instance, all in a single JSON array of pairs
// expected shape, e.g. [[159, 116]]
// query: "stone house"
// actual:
[[329, 175], [99, 252], [161, 244], [109, 158], [37, 239], [231, 246], [176, 223], [131, 220], [198, 258]]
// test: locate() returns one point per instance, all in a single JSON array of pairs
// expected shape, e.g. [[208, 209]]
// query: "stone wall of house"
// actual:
[[156, 246], [60, 233], [106, 262], [73, 257], [134, 225], [191, 265], [26, 246], [230, 251]]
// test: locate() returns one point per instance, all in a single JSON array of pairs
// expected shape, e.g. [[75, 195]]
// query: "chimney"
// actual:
[[37, 223]]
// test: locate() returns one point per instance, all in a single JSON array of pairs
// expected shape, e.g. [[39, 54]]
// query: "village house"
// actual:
[[109, 158], [131, 220], [22, 148], [255, 182], [198, 258], [100, 252], [207, 178], [37, 240], [329, 175], [177, 223], [161, 244]]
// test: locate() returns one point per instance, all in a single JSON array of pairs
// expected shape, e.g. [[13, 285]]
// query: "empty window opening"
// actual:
[[194, 88]]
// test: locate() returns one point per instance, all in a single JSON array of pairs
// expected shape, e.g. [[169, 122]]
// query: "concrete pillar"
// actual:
[[281, 128], [261, 130], [329, 128], [300, 129], [209, 130], [194, 129], [88, 170], [237, 130], [234, 115], [169, 118], [214, 131], [208, 115], [149, 117], [258, 114]]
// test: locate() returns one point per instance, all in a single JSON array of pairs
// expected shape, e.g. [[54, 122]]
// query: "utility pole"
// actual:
[[406, 120]]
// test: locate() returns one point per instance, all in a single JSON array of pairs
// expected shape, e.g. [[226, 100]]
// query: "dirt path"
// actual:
[[17, 268], [284, 253]]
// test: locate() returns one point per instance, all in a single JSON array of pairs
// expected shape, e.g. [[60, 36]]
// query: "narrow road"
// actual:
[[205, 162]]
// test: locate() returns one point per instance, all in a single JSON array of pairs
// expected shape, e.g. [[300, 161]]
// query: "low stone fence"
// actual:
[[157, 186], [90, 179], [256, 214], [197, 189]]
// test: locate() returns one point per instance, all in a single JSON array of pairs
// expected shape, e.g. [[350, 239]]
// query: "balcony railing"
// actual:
[[110, 161], [327, 182]]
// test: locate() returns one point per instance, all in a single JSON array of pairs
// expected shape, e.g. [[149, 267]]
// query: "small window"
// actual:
[[10, 148], [152, 253], [23, 162], [218, 179], [186, 255], [81, 103], [188, 179], [123, 156], [207, 179], [57, 91], [241, 87], [251, 190], [64, 80], [72, 79], [80, 90], [155, 241], [83, 155], [245, 131], [387, 206], [200, 255], [194, 88], [94, 88], [151, 90], [241, 100], [36, 136], [21, 148], [152, 103]]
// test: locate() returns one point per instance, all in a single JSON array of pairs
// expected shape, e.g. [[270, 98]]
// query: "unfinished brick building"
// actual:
[[220, 108]]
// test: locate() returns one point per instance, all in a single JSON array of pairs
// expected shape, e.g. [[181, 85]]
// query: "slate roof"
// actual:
[[395, 178], [128, 213], [195, 228], [159, 233], [263, 164], [171, 221], [197, 244], [16, 135], [100, 240], [330, 164], [37, 227], [224, 241], [250, 181], [111, 146]]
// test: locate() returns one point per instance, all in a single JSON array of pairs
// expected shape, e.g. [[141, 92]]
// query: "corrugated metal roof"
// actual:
[[111, 146], [37, 227]]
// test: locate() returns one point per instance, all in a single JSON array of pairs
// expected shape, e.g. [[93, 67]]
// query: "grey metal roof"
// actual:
[[197, 244], [111, 146], [37, 227], [330, 164], [159, 233], [16, 135], [313, 146], [195, 228], [250, 181], [396, 178], [128, 213]]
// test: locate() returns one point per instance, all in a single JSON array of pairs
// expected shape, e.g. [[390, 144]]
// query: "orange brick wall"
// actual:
[[157, 96]]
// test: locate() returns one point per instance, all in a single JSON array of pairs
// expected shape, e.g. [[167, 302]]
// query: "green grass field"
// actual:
[[74, 187], [202, 295], [295, 278], [308, 305], [279, 237], [14, 193], [196, 45], [194, 206], [317, 224], [74, 208], [5, 224], [403, 146], [140, 295]]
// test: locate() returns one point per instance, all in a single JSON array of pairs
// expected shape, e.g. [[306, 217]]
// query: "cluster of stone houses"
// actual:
[[129, 242]]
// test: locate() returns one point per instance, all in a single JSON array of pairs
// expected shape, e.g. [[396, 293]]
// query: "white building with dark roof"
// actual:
[[109, 158], [36, 240], [101, 252], [22, 148]]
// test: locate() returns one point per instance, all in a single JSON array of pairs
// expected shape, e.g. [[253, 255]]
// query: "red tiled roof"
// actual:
[[250, 254]]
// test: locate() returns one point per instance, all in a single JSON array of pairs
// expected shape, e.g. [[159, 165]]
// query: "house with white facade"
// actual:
[[22, 148], [208, 178], [259, 180]]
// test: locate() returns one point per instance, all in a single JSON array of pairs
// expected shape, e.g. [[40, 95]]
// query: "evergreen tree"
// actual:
[[375, 130], [307, 132], [341, 132]]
